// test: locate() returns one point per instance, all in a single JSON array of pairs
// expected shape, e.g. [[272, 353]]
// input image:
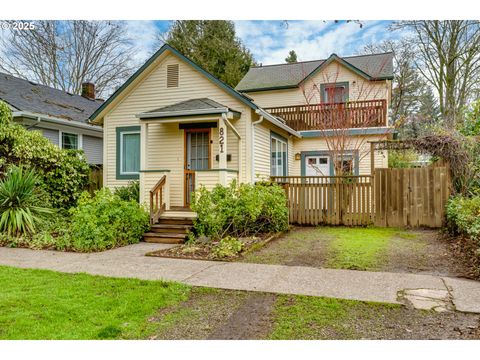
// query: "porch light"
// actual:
[[298, 156]]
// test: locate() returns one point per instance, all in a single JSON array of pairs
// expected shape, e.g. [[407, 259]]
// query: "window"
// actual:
[[335, 93], [128, 152], [278, 160], [69, 141], [172, 75]]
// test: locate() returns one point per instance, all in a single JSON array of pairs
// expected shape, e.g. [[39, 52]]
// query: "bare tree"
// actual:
[[64, 54], [334, 111], [448, 56]]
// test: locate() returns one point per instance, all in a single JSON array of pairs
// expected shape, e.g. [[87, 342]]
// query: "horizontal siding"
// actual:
[[51, 135], [207, 178], [166, 141], [93, 148], [149, 180], [359, 88]]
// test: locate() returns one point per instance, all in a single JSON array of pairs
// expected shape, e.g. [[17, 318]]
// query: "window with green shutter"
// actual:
[[128, 152]]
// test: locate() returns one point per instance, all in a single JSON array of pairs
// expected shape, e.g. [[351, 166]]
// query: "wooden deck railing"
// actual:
[[157, 196], [352, 114]]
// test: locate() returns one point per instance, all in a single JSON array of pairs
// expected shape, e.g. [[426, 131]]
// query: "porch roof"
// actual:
[[203, 106]]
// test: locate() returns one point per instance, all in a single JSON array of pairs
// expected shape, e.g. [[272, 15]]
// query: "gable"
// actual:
[[141, 74]]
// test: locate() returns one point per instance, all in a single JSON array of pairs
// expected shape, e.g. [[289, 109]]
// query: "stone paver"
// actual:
[[130, 262]]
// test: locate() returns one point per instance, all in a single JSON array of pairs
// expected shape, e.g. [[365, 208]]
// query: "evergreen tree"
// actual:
[[213, 45], [292, 57]]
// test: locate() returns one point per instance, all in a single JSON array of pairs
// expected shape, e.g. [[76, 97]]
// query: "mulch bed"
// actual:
[[199, 251]]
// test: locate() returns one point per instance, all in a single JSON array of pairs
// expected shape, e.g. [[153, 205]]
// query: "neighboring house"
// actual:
[[174, 119], [60, 116]]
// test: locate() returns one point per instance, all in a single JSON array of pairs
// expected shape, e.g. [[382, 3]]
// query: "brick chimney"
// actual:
[[88, 90]]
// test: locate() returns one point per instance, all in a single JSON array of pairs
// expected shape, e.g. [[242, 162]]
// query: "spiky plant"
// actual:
[[21, 208]]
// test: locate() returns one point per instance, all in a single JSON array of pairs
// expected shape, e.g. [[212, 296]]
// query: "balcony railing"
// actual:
[[352, 114]]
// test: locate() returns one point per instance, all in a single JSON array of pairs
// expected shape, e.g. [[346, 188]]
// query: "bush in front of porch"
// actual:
[[240, 210]]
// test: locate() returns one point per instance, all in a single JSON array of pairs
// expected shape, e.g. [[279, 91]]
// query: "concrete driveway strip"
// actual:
[[131, 262]]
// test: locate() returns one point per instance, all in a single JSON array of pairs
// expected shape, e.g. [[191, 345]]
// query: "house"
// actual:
[[60, 116], [174, 126]]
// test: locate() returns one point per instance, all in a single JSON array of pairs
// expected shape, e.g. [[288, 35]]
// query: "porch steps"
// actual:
[[172, 228]]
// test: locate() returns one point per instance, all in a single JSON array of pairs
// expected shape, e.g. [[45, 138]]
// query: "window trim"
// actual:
[[343, 84], [283, 139], [119, 145], [79, 139]]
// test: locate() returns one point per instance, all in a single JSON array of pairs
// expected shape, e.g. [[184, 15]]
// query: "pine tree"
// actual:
[[292, 57], [213, 45]]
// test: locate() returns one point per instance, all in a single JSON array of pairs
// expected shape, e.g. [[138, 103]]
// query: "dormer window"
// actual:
[[172, 75], [335, 93]]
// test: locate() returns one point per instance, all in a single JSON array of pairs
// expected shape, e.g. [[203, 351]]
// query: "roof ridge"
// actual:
[[308, 61]]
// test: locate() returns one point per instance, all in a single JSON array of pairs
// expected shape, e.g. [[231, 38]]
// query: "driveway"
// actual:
[[420, 291]]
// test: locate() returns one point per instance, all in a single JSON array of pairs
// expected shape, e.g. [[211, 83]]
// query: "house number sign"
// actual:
[[221, 139]]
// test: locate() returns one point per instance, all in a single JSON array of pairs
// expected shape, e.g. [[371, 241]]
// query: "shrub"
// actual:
[[401, 158], [64, 173], [240, 210], [22, 203], [129, 192], [463, 216], [227, 247], [105, 221]]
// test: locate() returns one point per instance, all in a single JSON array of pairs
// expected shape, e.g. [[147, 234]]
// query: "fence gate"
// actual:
[[411, 197], [332, 200]]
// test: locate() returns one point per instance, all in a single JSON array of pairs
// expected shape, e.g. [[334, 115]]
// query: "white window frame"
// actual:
[[79, 139], [284, 165], [121, 153]]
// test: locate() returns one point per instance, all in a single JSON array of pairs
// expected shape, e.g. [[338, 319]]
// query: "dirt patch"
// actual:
[[252, 320], [425, 252]]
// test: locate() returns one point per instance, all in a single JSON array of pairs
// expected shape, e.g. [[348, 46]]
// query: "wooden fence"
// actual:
[[392, 197], [95, 180], [411, 197], [333, 200]]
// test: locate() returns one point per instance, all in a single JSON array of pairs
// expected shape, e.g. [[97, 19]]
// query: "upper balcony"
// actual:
[[351, 114]]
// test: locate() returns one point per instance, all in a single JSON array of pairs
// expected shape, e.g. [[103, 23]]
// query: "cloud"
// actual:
[[270, 41], [143, 36]]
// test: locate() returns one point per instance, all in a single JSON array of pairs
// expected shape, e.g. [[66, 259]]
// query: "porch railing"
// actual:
[[352, 114], [157, 203]]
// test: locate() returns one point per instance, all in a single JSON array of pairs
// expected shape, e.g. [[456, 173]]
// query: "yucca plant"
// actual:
[[21, 208]]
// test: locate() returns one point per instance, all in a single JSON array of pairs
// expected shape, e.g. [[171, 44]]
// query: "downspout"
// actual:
[[253, 146]]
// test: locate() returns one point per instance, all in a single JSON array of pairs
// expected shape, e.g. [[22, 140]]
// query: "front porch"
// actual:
[[184, 146]]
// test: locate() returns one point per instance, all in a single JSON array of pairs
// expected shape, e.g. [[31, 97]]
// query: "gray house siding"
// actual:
[[93, 148], [51, 135]]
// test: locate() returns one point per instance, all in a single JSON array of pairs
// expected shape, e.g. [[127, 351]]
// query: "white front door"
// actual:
[[317, 166]]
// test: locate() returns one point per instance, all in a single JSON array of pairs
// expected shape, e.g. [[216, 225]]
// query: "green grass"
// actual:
[[39, 304], [307, 317], [360, 248]]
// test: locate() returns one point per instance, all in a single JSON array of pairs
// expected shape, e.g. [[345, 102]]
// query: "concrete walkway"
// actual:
[[130, 262]]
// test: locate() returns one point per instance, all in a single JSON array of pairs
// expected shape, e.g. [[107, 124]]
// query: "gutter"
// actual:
[[49, 119]]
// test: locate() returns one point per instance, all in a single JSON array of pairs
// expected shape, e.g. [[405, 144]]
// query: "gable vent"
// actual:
[[172, 75]]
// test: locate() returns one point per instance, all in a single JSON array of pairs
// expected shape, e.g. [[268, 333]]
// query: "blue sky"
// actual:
[[270, 41]]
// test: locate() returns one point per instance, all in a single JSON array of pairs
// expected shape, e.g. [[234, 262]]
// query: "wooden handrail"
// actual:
[[351, 114], [157, 204]]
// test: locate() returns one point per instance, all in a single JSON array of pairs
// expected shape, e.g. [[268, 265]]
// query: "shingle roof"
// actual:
[[188, 105], [28, 96], [203, 106], [378, 66]]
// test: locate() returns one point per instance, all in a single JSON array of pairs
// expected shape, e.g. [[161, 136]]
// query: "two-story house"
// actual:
[[173, 126]]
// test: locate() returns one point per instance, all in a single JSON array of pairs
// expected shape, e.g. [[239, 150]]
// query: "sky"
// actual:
[[270, 41]]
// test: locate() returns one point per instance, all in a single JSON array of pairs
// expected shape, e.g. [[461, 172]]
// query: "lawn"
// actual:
[[368, 248], [40, 304]]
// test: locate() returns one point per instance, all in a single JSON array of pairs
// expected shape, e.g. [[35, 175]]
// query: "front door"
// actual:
[[197, 157]]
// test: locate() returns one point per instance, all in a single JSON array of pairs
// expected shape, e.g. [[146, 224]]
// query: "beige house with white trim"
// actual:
[[173, 120]]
